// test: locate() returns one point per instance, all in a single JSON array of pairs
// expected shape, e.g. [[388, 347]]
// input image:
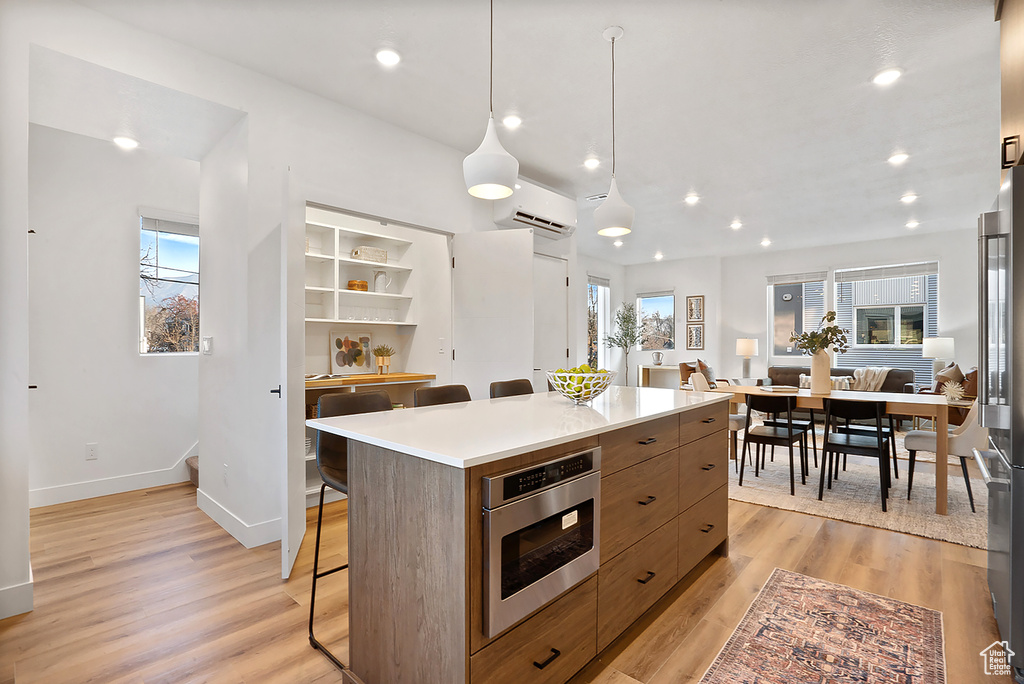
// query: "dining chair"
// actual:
[[763, 436], [511, 388], [442, 394], [888, 431], [856, 443], [332, 463], [967, 436]]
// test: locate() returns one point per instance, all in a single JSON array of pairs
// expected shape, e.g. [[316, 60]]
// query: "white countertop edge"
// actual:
[[465, 463]]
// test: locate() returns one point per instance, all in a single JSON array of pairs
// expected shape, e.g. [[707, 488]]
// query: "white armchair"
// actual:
[[970, 435]]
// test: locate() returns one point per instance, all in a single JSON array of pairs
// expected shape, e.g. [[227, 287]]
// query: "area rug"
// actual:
[[802, 629], [855, 497]]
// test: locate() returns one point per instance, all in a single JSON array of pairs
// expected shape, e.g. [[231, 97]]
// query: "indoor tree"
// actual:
[[627, 333]]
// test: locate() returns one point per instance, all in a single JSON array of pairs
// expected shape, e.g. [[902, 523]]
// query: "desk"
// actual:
[[931, 406], [658, 376]]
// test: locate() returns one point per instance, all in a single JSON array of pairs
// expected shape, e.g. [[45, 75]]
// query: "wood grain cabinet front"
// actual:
[[633, 581], [703, 468], [631, 445], [549, 647], [636, 501], [702, 527], [702, 421]]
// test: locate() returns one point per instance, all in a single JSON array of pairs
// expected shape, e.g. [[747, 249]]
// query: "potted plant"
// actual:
[[627, 333], [818, 343], [383, 353]]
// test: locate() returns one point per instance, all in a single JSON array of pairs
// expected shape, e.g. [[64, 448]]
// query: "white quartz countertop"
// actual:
[[476, 432]]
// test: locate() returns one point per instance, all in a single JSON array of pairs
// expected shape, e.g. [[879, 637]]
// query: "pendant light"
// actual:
[[614, 217], [490, 172]]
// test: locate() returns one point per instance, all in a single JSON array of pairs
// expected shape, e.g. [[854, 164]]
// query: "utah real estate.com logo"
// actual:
[[997, 658]]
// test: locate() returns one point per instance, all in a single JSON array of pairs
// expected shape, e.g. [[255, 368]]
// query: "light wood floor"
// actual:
[[143, 587]]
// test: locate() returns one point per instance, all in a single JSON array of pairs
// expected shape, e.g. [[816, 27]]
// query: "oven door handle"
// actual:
[[993, 484], [554, 654]]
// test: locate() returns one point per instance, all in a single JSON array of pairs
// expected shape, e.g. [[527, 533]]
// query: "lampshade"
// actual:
[[937, 348], [490, 172], [614, 217], [746, 347]]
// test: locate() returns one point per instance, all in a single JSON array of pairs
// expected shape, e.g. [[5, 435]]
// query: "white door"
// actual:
[[550, 317], [492, 307]]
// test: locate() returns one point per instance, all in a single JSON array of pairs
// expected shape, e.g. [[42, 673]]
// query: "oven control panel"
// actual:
[[501, 489]]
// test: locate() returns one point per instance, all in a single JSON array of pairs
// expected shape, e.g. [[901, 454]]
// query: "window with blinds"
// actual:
[[796, 303], [168, 286], [598, 320]]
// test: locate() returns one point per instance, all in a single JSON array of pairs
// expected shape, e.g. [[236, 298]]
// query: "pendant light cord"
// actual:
[[490, 77], [613, 106]]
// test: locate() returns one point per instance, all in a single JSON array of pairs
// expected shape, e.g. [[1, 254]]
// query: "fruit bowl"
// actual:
[[580, 387]]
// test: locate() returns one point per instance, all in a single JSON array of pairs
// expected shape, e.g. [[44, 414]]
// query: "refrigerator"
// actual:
[[1001, 400]]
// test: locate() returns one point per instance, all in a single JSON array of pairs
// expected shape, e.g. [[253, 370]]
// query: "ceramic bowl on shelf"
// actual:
[[580, 387]]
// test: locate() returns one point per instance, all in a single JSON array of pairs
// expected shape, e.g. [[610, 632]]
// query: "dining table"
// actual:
[[931, 406]]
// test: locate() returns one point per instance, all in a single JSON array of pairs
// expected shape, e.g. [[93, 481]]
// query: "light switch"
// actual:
[[207, 344]]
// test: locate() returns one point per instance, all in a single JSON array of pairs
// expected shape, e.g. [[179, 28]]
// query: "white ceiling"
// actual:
[[765, 109]]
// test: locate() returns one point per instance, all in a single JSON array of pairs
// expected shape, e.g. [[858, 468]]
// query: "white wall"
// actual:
[[744, 308], [141, 410]]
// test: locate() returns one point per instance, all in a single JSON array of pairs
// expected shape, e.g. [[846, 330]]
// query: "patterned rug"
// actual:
[[806, 630]]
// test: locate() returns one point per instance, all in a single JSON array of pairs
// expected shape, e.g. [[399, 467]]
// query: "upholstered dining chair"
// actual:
[[442, 394], [511, 388], [332, 462], [970, 435]]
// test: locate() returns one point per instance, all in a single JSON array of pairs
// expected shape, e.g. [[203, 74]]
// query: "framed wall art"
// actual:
[[695, 309], [350, 352], [695, 336]]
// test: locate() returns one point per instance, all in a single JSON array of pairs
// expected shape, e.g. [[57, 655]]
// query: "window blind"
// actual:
[[165, 226], [852, 275], [599, 281], [794, 278]]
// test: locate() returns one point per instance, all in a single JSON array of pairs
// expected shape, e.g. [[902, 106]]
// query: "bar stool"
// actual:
[[332, 462], [442, 394], [511, 388]]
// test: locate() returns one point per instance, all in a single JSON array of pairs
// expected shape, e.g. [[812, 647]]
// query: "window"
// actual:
[[879, 325], [598, 320], [655, 314], [796, 303], [168, 286]]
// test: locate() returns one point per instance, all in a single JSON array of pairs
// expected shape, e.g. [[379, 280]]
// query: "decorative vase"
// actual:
[[383, 365], [821, 366], [659, 357]]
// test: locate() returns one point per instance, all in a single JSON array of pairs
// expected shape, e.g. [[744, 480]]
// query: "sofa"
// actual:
[[896, 380]]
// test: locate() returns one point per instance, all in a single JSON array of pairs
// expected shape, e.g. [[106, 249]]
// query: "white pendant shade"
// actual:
[[614, 217], [490, 172]]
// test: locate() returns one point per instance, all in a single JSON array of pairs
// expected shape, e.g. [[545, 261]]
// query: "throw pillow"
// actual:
[[951, 373], [841, 382], [708, 372], [805, 381]]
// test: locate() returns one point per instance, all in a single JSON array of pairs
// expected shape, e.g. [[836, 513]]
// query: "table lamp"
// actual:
[[746, 348], [938, 348]]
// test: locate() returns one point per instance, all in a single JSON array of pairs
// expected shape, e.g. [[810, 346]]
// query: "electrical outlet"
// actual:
[[92, 452]]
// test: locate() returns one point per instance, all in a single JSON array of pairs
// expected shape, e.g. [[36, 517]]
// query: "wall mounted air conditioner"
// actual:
[[531, 206]]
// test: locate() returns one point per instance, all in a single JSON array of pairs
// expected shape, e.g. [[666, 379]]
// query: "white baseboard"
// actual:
[[76, 491], [16, 599], [248, 535]]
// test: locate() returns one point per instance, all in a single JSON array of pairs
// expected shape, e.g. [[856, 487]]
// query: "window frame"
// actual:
[[897, 325], [672, 346], [168, 223], [602, 288]]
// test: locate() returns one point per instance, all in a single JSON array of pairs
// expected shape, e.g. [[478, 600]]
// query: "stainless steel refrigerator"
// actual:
[[1001, 405]]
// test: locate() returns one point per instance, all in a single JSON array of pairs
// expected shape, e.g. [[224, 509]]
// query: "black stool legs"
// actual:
[[317, 575]]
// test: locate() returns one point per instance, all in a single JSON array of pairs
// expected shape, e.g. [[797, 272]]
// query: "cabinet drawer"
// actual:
[[702, 527], [568, 626], [631, 582], [630, 445], [703, 468], [702, 421], [638, 500]]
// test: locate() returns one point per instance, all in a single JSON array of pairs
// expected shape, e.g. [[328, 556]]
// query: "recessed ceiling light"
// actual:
[[692, 198], [908, 198], [658, 256], [617, 243], [388, 57], [887, 77], [518, 186], [913, 224], [765, 242], [899, 158], [126, 143], [736, 225], [511, 121], [592, 162]]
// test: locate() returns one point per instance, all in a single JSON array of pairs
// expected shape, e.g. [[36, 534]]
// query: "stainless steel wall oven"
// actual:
[[541, 535]]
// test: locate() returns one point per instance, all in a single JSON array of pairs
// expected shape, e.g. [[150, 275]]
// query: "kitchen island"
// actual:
[[417, 532]]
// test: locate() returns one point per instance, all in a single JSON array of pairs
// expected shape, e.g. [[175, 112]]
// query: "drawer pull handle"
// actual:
[[709, 466], [650, 500], [554, 654], [709, 528], [649, 440], [650, 576], [708, 420]]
